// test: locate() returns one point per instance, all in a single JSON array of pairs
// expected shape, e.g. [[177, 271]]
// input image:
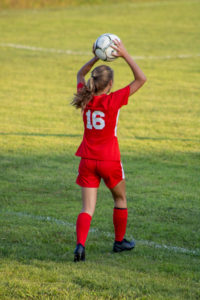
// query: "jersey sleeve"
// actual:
[[80, 85], [119, 98]]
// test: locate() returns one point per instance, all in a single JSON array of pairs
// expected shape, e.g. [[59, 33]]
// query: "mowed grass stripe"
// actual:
[[97, 231]]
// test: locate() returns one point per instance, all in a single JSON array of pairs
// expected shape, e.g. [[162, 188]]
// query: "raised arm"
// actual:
[[139, 76], [85, 69]]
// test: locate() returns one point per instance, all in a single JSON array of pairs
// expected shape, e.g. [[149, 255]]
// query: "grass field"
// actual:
[[159, 136]]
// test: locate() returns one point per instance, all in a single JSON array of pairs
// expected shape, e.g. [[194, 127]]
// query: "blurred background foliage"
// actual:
[[17, 4]]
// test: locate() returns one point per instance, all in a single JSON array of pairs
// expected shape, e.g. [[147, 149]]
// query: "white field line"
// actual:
[[51, 50], [79, 53], [96, 231]]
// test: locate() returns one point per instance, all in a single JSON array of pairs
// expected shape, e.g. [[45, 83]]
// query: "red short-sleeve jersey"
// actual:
[[100, 119]]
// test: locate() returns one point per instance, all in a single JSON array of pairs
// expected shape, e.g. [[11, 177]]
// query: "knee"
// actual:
[[121, 198], [120, 202]]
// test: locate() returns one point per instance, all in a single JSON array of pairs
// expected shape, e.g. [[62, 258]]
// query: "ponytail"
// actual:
[[84, 95], [96, 83]]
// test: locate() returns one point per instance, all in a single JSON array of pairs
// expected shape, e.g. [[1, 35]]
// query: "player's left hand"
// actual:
[[120, 49]]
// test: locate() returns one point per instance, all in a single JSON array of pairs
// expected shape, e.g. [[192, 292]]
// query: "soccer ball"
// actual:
[[102, 47]]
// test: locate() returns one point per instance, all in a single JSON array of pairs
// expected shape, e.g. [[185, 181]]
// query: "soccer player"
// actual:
[[99, 150]]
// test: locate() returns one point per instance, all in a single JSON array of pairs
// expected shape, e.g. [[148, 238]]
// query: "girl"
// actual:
[[99, 150]]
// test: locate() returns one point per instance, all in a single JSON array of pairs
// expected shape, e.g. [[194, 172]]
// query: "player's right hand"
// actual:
[[93, 49]]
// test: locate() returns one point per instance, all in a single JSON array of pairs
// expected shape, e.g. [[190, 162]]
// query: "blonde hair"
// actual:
[[100, 77]]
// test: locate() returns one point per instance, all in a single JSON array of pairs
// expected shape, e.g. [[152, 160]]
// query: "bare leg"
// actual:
[[119, 194], [89, 199]]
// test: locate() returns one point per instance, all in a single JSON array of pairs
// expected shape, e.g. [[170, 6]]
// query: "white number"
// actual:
[[88, 114], [100, 121], [97, 121]]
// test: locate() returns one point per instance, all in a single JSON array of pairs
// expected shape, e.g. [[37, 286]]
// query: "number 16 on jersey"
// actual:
[[95, 119]]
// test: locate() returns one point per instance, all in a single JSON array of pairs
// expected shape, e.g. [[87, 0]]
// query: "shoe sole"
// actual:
[[121, 250]]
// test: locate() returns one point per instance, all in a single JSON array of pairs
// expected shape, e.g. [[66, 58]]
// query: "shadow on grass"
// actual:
[[39, 134], [80, 135], [44, 186], [165, 139]]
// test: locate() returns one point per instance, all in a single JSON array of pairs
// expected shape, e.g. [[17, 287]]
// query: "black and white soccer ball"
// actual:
[[102, 47]]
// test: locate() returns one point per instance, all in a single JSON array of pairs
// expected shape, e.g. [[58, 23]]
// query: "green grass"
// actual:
[[159, 139]]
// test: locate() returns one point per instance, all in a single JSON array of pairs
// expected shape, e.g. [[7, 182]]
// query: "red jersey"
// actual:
[[100, 119]]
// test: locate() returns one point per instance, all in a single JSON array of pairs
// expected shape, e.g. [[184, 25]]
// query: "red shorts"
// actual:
[[91, 171]]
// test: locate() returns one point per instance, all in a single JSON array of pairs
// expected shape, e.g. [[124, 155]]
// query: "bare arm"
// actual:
[[85, 69], [139, 76]]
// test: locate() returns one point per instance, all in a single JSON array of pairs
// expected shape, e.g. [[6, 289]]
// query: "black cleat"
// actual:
[[79, 253], [124, 245]]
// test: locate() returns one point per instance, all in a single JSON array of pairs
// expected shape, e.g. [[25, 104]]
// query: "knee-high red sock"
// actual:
[[120, 216], [82, 227]]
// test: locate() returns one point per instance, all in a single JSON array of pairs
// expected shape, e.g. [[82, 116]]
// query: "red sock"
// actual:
[[120, 216], [82, 227]]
